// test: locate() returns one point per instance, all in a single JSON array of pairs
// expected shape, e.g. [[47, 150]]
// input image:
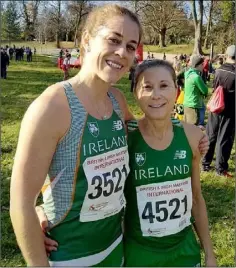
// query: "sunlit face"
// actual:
[[112, 50], [156, 93]]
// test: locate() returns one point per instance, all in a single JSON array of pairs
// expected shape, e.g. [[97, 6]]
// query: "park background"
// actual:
[[173, 27]]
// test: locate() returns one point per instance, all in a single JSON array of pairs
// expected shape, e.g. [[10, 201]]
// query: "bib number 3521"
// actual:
[[164, 208], [108, 183], [106, 175]]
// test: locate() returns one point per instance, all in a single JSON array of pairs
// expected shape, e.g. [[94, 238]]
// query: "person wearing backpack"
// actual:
[[221, 126]]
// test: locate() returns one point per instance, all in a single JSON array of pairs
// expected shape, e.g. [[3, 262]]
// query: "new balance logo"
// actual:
[[117, 125], [180, 154]]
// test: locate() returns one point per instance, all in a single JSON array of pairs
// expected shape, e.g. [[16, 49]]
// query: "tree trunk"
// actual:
[[76, 31], [198, 27], [58, 24], [198, 42], [76, 38], [67, 37], [162, 37], [206, 45], [57, 40]]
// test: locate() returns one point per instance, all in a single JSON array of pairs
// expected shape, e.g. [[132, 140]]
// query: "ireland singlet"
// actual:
[[84, 192], [158, 229]]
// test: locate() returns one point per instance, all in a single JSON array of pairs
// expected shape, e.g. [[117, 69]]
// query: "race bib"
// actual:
[[164, 208], [106, 174]]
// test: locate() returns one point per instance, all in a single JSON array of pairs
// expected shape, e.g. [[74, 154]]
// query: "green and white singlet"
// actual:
[[84, 192], [159, 202]]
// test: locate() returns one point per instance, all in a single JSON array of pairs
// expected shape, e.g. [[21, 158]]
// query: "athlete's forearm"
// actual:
[[29, 235], [201, 224]]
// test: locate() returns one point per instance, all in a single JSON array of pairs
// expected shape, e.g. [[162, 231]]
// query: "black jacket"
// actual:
[[4, 60], [225, 77]]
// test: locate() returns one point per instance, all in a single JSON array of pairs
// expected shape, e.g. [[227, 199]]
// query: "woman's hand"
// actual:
[[203, 145], [50, 245], [210, 261]]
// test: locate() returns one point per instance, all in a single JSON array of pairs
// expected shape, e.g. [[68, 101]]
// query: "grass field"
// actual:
[[175, 49], [170, 49], [24, 83], [37, 45]]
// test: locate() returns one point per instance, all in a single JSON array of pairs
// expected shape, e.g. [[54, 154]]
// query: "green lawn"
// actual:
[[25, 82], [37, 45], [170, 49], [175, 49]]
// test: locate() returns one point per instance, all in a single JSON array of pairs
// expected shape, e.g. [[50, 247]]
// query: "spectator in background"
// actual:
[[148, 56], [181, 57], [4, 63], [211, 69], [21, 53], [30, 55], [11, 52], [17, 54], [131, 73], [152, 58], [205, 70], [194, 91], [221, 61], [66, 66], [164, 56], [61, 53], [27, 54], [35, 51], [7, 50], [176, 65], [221, 127]]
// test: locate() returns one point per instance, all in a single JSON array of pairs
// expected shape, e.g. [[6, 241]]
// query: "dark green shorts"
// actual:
[[187, 255]]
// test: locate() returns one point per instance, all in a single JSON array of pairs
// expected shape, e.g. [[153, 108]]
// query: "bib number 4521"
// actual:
[[162, 208], [106, 185]]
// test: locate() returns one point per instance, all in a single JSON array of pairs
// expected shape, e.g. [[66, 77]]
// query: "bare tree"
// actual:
[[78, 10], [197, 25], [30, 13], [161, 16], [68, 25], [208, 24], [43, 23], [56, 15]]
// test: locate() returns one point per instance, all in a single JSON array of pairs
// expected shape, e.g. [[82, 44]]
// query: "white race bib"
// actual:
[[106, 174], [164, 208]]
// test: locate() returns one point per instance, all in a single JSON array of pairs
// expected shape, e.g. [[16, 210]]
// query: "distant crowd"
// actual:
[[193, 73], [18, 53]]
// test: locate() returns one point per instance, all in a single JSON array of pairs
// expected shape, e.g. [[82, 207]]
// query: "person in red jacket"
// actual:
[[205, 70], [66, 66]]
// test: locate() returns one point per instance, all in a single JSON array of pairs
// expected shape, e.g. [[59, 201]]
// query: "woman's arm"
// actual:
[[199, 213], [39, 135], [199, 210], [203, 144]]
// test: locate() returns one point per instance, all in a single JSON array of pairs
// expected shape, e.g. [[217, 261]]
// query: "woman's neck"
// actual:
[[156, 128], [90, 84]]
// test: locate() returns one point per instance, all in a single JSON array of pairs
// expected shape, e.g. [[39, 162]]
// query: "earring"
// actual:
[[88, 49]]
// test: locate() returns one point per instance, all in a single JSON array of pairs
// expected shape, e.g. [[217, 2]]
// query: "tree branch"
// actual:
[[194, 12]]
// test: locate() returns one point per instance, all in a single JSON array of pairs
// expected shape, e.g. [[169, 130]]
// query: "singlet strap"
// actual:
[[116, 106], [76, 108]]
